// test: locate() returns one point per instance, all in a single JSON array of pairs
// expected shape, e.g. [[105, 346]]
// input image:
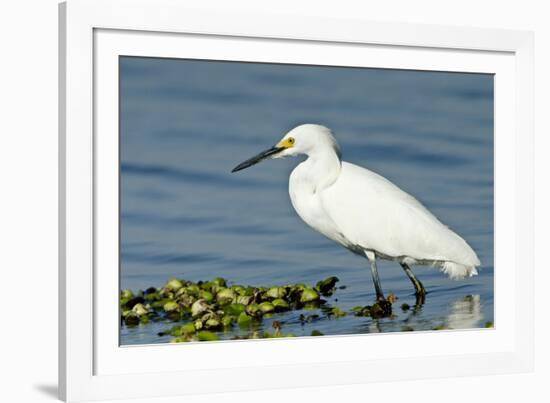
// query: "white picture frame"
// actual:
[[92, 365]]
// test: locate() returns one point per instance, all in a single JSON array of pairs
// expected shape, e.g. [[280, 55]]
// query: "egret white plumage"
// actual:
[[364, 212]]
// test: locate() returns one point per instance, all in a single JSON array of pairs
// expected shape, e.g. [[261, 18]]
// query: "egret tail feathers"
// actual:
[[458, 271]]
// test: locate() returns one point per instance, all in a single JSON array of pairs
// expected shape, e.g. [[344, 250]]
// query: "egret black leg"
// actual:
[[419, 289], [376, 278], [384, 306]]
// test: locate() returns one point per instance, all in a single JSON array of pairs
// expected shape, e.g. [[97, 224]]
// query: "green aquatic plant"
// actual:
[[171, 306], [173, 285], [140, 310], [198, 307], [309, 295], [266, 307], [276, 292], [244, 320], [208, 307], [336, 312], [280, 305], [327, 286], [225, 296]]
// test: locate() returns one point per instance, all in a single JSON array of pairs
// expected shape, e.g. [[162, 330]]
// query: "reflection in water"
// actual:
[[374, 327], [465, 313]]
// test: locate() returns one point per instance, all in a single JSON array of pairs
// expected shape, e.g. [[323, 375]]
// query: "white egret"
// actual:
[[364, 212]]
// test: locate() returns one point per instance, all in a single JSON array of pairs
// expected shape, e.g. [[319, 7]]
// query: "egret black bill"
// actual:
[[257, 158]]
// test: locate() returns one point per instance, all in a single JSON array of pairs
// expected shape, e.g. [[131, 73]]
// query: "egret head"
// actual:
[[304, 139]]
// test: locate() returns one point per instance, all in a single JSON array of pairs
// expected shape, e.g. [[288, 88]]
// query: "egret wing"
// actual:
[[373, 213]]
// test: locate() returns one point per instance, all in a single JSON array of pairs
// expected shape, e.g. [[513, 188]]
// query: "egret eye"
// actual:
[[291, 140]]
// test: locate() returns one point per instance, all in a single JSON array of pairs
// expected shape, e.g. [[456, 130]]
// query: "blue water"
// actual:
[[185, 124]]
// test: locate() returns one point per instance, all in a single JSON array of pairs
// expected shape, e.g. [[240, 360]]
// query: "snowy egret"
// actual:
[[364, 212]]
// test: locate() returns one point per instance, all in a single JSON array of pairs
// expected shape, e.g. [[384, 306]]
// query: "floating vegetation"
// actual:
[[215, 309], [336, 312], [392, 298], [203, 308], [377, 310], [309, 295], [327, 286]]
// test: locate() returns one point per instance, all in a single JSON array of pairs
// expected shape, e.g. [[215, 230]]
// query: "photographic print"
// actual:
[[264, 200]]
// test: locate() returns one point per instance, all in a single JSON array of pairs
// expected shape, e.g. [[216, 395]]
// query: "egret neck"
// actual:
[[306, 185], [320, 170]]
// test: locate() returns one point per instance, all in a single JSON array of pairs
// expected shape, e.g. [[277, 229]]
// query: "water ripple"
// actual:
[[187, 175]]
